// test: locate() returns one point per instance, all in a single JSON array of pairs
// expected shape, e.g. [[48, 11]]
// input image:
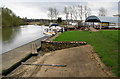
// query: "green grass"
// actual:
[[105, 43]]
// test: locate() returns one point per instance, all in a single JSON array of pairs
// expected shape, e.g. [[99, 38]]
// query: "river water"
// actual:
[[16, 36]]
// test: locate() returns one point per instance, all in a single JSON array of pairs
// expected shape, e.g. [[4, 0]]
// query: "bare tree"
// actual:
[[66, 12], [75, 12], [55, 12], [51, 13], [102, 11], [71, 12], [80, 11], [87, 11]]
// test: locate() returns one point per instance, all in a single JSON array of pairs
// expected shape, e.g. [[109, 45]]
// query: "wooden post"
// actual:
[[93, 24], [100, 25], [108, 23], [34, 48], [63, 29]]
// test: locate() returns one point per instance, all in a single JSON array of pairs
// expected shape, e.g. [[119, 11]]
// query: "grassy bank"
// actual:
[[105, 44]]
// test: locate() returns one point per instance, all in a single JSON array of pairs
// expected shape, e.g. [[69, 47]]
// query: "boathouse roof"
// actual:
[[102, 19]]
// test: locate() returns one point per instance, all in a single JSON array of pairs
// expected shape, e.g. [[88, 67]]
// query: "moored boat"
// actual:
[[52, 29]]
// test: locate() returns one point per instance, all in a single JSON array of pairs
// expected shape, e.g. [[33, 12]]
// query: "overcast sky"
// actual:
[[39, 8]]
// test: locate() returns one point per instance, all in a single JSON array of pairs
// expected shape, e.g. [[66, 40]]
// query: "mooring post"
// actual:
[[100, 25], [34, 48]]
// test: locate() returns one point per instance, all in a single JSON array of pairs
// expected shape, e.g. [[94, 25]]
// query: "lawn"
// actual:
[[105, 43]]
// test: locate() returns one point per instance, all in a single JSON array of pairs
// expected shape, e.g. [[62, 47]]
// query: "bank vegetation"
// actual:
[[9, 18]]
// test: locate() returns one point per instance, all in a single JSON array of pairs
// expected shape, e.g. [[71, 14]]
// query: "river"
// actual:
[[17, 36]]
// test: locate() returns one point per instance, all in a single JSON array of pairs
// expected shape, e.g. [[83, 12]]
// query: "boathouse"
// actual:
[[103, 21]]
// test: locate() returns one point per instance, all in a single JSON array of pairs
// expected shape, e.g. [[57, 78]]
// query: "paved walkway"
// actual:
[[11, 57], [78, 60], [93, 29]]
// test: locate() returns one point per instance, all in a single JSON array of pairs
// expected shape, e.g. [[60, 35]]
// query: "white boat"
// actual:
[[49, 31], [57, 28], [52, 29]]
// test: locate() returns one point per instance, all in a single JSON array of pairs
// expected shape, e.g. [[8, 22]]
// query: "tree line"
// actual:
[[75, 12], [9, 18]]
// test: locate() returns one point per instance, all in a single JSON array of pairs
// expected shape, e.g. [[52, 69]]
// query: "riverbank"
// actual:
[[73, 57], [11, 58]]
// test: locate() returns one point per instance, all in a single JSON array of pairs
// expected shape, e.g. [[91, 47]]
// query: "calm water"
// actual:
[[17, 36]]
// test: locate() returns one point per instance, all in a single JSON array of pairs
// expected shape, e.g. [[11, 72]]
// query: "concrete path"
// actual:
[[78, 60], [93, 29], [11, 57]]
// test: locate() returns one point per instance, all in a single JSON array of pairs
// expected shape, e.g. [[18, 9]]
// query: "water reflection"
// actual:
[[9, 33], [16, 36]]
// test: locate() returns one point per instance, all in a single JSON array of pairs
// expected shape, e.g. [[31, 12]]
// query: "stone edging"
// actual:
[[47, 46], [65, 42]]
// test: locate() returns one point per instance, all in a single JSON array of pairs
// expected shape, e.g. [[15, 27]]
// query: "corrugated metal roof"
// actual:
[[103, 19]]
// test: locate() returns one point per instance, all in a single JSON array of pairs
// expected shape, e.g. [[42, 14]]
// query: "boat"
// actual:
[[52, 29], [49, 31]]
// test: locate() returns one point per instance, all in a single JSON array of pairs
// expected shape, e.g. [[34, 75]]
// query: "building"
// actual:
[[118, 15], [103, 21]]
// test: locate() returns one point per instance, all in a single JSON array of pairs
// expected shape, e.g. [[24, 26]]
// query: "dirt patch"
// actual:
[[79, 60]]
